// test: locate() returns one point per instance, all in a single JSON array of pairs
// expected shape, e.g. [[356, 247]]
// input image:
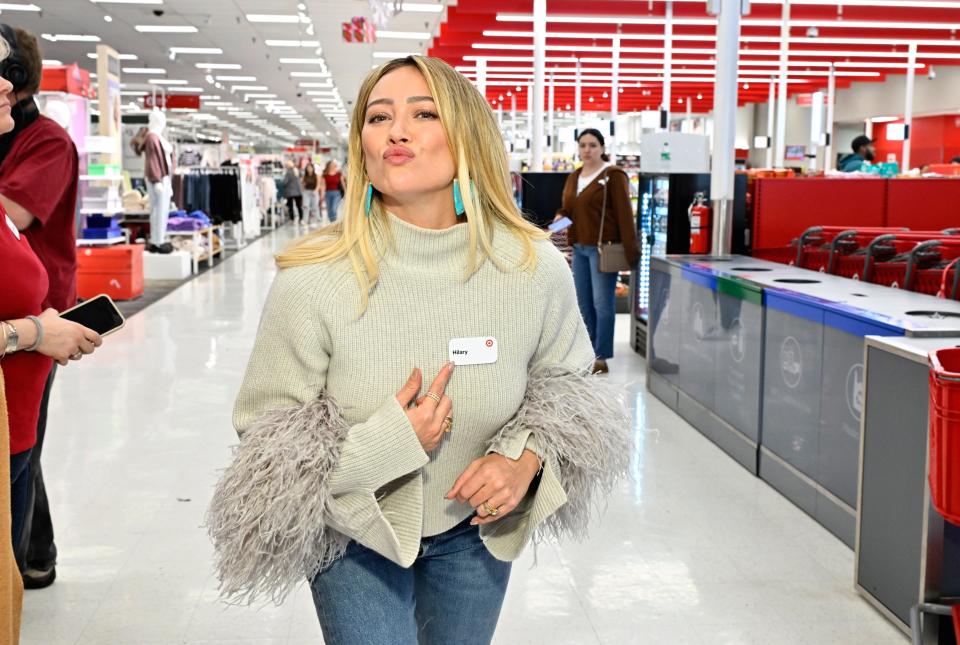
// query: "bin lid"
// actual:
[[700, 275], [740, 289]]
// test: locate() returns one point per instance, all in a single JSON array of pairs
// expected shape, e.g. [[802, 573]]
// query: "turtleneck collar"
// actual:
[[425, 248]]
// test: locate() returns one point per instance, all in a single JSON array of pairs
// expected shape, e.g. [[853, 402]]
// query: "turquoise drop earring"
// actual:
[[368, 202], [458, 199]]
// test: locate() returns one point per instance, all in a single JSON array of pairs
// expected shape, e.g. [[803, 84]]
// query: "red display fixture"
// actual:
[[70, 79], [923, 204], [114, 270], [172, 101]]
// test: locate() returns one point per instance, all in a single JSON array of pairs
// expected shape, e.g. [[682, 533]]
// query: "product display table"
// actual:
[[212, 235], [905, 552], [767, 361]]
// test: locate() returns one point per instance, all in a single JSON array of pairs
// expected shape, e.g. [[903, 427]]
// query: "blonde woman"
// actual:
[[399, 485]]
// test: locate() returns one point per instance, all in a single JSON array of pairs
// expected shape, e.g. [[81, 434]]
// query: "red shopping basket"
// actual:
[[945, 432]]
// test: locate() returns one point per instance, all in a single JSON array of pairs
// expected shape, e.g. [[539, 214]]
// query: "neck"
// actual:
[[431, 210], [592, 166]]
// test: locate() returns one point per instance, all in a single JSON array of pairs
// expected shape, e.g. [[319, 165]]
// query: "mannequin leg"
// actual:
[[158, 214]]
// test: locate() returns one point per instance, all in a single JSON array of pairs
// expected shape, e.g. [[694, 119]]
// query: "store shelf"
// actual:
[[100, 211], [110, 241], [117, 178]]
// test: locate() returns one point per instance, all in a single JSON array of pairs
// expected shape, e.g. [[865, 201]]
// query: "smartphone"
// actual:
[[560, 224], [99, 314]]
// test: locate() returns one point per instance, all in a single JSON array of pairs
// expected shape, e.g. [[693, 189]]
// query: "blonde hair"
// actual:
[[481, 168]]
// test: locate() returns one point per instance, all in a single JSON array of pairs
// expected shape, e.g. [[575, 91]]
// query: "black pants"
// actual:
[[298, 200], [36, 549]]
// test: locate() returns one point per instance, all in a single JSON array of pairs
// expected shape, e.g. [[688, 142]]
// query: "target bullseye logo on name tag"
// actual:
[[473, 351]]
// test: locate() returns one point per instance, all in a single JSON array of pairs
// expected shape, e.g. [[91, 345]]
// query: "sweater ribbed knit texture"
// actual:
[[389, 493]]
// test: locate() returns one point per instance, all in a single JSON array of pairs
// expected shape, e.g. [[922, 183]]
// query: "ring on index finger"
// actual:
[[431, 395]]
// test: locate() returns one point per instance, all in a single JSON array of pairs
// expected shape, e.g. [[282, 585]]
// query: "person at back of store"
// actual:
[[38, 190], [333, 185], [292, 191], [311, 196], [863, 150], [597, 198]]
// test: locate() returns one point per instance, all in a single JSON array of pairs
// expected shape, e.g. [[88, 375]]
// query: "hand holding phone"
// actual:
[[65, 340], [560, 224]]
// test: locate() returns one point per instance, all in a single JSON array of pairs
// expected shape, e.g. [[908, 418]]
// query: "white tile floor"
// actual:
[[692, 549]]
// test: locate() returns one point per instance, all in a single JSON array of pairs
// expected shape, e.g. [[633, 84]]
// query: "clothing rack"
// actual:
[[215, 191]]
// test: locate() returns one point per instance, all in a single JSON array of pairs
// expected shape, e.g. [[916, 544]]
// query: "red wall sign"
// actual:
[[805, 100], [171, 101]]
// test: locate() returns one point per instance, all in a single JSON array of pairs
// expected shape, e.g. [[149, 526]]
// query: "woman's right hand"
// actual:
[[558, 217], [427, 416], [63, 339]]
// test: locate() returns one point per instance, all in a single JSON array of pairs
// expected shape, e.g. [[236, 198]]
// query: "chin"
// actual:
[[6, 124]]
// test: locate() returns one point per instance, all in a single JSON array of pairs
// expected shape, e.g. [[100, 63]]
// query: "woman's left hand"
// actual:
[[494, 485]]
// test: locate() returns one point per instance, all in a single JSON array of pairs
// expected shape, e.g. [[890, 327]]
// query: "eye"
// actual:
[[379, 117], [427, 114]]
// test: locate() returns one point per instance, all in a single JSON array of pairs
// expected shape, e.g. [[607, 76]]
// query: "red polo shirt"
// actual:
[[22, 291], [40, 174]]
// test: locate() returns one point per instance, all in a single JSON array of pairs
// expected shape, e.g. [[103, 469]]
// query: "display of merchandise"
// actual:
[[215, 191]]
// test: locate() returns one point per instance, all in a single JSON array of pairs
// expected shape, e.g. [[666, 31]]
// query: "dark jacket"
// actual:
[[585, 210], [291, 184], [850, 163]]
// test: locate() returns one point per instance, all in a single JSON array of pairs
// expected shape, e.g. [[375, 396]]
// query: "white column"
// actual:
[[482, 76], [530, 125], [539, 68], [577, 100], [828, 160], [908, 109], [667, 61], [779, 145], [500, 115], [615, 99], [725, 124], [513, 119], [816, 128], [771, 110], [551, 132]]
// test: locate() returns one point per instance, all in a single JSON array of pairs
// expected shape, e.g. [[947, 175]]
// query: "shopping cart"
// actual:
[[916, 261], [944, 465], [838, 250]]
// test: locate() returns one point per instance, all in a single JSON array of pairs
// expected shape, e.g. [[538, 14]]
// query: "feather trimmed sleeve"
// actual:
[[302, 482], [575, 422]]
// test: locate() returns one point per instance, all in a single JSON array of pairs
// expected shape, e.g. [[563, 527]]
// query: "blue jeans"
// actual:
[[19, 486], [597, 297], [332, 199], [451, 595]]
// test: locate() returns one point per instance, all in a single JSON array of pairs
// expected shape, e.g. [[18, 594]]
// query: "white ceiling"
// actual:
[[223, 24]]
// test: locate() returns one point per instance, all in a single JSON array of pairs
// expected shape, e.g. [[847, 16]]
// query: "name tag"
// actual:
[[473, 351], [13, 227]]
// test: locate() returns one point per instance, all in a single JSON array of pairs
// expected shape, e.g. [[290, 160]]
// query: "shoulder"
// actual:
[[551, 263], [317, 284], [44, 132], [616, 173]]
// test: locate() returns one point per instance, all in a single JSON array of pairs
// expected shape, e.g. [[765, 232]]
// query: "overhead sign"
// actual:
[[172, 101]]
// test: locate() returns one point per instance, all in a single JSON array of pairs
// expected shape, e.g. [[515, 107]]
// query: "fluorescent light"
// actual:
[[184, 89], [52, 63], [94, 56], [218, 66], [144, 70], [236, 78], [302, 61], [394, 54], [329, 83], [310, 74], [10, 6], [196, 50], [403, 35], [71, 38], [276, 18], [884, 119], [248, 88], [210, 97], [166, 81], [421, 7], [260, 96], [166, 29], [127, 1], [292, 43]]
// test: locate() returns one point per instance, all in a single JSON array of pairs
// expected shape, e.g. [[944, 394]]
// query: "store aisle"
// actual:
[[692, 550]]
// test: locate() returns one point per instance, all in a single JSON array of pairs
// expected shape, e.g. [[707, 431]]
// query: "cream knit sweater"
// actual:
[[388, 493]]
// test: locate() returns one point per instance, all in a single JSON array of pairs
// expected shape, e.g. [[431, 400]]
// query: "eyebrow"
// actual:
[[412, 99]]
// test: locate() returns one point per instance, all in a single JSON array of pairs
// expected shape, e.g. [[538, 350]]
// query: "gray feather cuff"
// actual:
[[270, 514], [580, 426]]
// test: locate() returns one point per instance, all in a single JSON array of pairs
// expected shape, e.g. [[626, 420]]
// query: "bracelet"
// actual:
[[10, 338], [39, 325]]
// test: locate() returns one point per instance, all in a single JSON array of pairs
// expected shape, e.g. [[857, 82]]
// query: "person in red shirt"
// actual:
[[332, 196], [38, 190]]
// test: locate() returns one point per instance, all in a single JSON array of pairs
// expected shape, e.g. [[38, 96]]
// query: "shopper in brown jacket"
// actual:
[[11, 584], [596, 186]]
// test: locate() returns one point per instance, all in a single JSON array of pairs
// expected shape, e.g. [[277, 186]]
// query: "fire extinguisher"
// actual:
[[700, 217]]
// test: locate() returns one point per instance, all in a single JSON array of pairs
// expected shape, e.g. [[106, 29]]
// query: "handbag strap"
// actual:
[[603, 209]]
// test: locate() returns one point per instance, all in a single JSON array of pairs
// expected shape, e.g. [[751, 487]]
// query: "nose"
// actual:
[[398, 132]]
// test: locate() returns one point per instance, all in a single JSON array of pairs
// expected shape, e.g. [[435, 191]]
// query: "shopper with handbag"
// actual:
[[604, 237], [404, 496]]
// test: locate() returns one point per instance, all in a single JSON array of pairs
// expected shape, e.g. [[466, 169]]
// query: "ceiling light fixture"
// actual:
[[93, 55], [166, 29], [108, 18], [302, 61], [127, 1], [218, 66], [144, 70], [248, 88], [292, 43], [15, 6], [71, 38], [166, 81], [196, 50], [179, 88], [274, 18], [236, 78], [52, 63], [310, 74]]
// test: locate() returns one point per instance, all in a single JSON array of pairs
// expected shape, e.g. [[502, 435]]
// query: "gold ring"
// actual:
[[431, 395], [492, 512]]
